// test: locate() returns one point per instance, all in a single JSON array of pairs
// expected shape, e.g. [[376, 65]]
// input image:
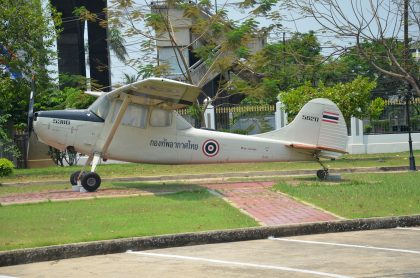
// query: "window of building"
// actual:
[[170, 56]]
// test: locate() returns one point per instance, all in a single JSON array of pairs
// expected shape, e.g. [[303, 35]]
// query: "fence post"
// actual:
[[280, 115], [356, 142], [209, 116]]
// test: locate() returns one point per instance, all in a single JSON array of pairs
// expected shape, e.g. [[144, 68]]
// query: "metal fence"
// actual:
[[394, 118], [185, 114]]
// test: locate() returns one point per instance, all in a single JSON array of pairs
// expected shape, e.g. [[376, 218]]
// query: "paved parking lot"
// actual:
[[377, 253]]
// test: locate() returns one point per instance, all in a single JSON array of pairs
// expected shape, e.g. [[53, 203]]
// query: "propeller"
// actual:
[[31, 107], [30, 115]]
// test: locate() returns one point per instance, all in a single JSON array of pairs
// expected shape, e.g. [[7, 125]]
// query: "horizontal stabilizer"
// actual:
[[315, 148]]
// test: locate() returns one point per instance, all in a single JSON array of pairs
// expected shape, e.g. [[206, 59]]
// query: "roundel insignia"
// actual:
[[210, 148]]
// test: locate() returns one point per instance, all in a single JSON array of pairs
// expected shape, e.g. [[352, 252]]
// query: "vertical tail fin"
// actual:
[[319, 126]]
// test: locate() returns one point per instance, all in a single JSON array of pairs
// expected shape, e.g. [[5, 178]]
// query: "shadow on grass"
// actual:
[[166, 190]]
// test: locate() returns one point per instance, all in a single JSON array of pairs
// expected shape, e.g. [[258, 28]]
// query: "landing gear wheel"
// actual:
[[91, 181], [322, 174], [73, 177]]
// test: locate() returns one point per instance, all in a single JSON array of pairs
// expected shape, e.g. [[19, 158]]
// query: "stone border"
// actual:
[[60, 252], [209, 176]]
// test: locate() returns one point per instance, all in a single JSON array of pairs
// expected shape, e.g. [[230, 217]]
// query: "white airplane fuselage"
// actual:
[[176, 143], [138, 123]]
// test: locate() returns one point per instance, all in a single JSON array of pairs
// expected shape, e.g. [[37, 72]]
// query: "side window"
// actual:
[[160, 117], [135, 115]]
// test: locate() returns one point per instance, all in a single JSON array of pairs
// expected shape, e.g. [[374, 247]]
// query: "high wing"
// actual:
[[160, 92]]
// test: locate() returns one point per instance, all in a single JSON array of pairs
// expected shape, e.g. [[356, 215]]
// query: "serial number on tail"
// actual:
[[310, 118]]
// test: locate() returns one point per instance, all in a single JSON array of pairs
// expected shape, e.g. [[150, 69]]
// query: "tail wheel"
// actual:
[[73, 178], [322, 174], [91, 181]]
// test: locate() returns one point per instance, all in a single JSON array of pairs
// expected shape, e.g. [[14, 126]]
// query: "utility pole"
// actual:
[[408, 93]]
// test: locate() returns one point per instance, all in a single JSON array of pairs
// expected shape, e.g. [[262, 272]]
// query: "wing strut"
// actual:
[[90, 180], [115, 125]]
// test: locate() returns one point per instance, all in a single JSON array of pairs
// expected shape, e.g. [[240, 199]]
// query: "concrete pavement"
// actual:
[[375, 253]]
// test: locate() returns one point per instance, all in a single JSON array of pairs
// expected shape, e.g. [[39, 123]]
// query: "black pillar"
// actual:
[[98, 45], [71, 52]]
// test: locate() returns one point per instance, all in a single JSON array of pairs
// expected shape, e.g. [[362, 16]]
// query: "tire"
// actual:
[[322, 174], [91, 181], [73, 177]]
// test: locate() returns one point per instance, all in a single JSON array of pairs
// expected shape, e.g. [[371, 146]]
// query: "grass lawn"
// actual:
[[360, 195], [45, 224], [132, 169]]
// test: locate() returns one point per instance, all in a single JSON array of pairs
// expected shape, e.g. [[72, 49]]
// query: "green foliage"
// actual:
[[6, 167], [116, 43], [196, 111], [5, 141], [240, 34], [353, 98], [351, 64], [14, 98], [285, 66], [26, 32], [156, 21], [77, 99], [242, 52]]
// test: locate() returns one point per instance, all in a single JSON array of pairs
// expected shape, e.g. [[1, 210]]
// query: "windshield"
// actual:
[[100, 107]]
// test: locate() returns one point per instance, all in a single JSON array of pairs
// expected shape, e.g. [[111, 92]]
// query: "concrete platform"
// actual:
[[375, 253]]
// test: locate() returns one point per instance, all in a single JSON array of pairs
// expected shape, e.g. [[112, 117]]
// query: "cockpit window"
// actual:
[[101, 107], [135, 115]]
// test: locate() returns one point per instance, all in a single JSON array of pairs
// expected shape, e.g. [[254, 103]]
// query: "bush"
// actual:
[[6, 167]]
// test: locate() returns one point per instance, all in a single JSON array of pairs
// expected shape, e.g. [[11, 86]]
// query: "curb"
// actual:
[[60, 252], [224, 175]]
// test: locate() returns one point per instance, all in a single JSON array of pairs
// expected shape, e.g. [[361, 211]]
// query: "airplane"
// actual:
[[138, 122]]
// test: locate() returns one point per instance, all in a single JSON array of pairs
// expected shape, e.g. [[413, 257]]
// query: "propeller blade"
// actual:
[[31, 107], [30, 116]]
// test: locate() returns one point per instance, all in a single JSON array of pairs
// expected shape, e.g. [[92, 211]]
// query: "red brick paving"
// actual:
[[268, 207]]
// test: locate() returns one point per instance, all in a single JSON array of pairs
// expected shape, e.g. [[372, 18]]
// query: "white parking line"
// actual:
[[232, 263], [347, 245], [405, 228]]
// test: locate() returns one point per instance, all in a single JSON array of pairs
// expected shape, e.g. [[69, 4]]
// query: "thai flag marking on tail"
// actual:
[[330, 117]]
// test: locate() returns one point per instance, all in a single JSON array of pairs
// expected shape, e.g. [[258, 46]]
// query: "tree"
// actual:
[[350, 65], [283, 65], [218, 44], [353, 98], [26, 40], [375, 28]]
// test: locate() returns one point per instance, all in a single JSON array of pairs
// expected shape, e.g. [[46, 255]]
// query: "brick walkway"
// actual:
[[268, 207]]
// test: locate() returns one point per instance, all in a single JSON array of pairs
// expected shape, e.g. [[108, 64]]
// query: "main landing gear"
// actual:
[[323, 173], [89, 180]]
